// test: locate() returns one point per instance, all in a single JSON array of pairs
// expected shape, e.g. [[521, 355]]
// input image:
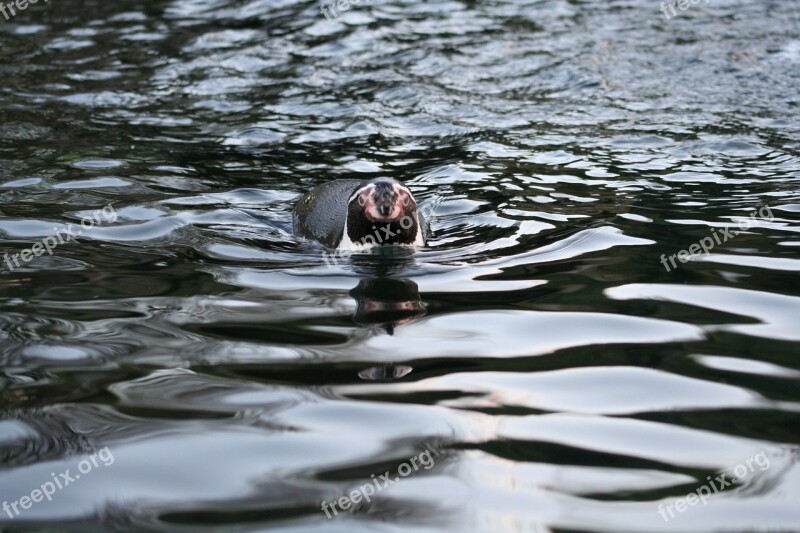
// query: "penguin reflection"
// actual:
[[386, 303]]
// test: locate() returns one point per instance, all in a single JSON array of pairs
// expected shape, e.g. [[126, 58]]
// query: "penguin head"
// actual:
[[382, 211]]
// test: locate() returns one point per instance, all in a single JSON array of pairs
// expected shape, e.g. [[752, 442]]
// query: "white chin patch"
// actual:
[[350, 246]]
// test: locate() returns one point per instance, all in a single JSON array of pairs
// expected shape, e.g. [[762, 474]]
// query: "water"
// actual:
[[537, 360]]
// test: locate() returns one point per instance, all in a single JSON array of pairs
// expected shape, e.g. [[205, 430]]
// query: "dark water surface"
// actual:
[[559, 377]]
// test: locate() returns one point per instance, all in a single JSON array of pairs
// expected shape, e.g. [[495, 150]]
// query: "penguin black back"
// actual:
[[321, 214]]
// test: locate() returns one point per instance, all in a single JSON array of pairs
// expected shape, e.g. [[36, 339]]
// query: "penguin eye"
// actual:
[[406, 200], [362, 201]]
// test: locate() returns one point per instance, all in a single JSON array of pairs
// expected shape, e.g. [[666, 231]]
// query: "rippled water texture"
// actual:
[[538, 351]]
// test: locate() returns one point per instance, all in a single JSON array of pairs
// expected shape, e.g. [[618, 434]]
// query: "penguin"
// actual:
[[357, 215]]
